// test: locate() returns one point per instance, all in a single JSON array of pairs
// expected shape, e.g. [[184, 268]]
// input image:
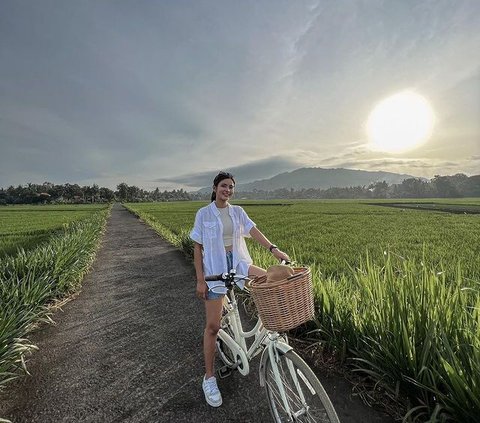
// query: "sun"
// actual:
[[400, 123]]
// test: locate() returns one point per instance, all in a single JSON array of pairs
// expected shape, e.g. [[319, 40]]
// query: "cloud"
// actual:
[[424, 167], [410, 163], [173, 91]]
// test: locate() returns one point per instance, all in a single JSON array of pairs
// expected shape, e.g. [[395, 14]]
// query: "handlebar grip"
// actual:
[[214, 278]]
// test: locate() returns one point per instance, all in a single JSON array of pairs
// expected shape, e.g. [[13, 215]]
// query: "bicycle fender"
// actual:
[[282, 347], [244, 369]]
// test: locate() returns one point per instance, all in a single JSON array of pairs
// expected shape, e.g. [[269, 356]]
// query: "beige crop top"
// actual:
[[227, 223]]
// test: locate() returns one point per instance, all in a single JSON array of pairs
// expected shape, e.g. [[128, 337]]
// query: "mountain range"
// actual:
[[319, 178]]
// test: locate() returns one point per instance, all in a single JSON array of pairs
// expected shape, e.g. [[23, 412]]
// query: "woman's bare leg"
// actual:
[[213, 310]]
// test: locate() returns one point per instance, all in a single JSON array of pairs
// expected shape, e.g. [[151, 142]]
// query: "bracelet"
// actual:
[[272, 247]]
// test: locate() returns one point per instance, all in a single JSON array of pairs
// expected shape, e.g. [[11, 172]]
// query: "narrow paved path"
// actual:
[[128, 348]]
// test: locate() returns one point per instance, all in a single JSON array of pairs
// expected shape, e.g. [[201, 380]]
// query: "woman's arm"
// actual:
[[263, 241], [198, 263]]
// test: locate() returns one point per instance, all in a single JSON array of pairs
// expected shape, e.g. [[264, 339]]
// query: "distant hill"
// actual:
[[316, 177]]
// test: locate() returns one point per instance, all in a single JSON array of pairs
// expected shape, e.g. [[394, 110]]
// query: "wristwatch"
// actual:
[[272, 247]]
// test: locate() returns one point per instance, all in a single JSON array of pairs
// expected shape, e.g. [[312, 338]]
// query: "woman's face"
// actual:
[[224, 189]]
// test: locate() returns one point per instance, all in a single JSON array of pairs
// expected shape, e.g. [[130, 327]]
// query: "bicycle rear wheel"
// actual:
[[307, 400]]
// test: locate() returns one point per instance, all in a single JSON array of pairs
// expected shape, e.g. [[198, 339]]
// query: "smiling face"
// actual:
[[224, 190]]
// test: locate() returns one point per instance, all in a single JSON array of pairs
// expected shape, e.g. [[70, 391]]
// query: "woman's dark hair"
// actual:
[[220, 177]]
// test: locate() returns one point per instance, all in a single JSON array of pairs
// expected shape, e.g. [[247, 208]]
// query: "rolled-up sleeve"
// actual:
[[246, 223], [196, 234]]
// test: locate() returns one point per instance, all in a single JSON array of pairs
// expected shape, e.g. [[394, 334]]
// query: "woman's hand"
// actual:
[[202, 290], [280, 255]]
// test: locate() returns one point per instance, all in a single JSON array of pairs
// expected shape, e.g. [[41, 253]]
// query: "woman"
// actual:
[[219, 246]]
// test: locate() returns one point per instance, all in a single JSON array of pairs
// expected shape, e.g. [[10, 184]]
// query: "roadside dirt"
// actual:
[[129, 347]]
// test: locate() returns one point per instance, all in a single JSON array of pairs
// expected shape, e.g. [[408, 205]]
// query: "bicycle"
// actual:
[[294, 392]]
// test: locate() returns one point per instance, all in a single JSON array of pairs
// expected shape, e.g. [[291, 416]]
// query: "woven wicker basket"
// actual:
[[285, 304]]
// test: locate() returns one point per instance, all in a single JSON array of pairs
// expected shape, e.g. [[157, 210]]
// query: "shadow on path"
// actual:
[[129, 347]]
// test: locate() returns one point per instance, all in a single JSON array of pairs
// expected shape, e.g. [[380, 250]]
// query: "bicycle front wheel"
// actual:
[[306, 400]]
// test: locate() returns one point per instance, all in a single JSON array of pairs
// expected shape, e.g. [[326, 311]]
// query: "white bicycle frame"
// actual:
[[265, 341], [238, 343]]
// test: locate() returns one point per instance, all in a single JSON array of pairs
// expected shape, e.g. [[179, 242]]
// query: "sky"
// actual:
[[167, 93]]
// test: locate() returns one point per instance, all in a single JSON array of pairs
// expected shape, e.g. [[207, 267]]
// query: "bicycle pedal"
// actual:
[[224, 372]]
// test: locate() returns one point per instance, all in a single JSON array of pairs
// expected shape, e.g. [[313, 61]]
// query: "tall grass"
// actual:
[[411, 330], [30, 281], [180, 238]]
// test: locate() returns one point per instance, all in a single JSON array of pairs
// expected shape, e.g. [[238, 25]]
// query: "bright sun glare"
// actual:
[[400, 123]]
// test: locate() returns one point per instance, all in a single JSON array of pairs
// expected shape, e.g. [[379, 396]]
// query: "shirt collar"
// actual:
[[215, 210]]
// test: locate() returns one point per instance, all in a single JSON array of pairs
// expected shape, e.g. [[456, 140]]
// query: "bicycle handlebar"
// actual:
[[229, 278], [215, 277]]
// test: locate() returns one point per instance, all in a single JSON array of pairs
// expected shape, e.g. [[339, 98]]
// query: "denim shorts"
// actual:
[[213, 295]]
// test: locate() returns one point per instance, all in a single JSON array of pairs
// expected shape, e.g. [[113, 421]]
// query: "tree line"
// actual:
[[458, 185], [49, 193], [455, 186]]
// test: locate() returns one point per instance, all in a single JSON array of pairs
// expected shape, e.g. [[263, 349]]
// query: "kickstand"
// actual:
[[224, 372]]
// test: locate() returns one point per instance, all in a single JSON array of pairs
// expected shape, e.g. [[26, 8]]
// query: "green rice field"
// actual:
[[397, 289], [27, 226], [44, 253], [337, 235]]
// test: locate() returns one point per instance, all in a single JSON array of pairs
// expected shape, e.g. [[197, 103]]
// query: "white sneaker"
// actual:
[[212, 394]]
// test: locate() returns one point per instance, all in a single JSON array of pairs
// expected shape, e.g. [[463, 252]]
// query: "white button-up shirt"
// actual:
[[208, 231]]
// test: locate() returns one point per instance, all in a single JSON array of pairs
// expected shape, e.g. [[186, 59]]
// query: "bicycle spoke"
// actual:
[[303, 405], [294, 400]]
